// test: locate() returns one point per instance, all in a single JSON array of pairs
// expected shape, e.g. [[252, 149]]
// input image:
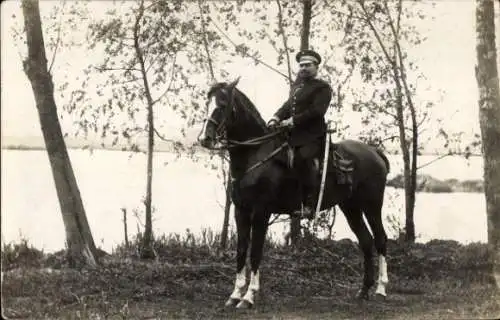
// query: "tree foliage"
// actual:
[[186, 43]]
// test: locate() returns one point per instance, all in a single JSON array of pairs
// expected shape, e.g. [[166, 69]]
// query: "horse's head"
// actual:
[[231, 116]]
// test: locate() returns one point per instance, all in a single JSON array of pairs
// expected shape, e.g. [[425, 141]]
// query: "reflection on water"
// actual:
[[188, 195]]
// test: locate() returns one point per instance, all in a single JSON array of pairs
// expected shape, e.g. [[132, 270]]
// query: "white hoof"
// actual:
[[244, 304], [381, 290], [231, 302], [380, 293], [380, 297]]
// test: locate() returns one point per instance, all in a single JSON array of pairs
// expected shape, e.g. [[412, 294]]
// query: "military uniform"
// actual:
[[306, 108]]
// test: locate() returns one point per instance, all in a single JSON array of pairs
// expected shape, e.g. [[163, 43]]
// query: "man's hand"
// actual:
[[287, 122], [273, 123]]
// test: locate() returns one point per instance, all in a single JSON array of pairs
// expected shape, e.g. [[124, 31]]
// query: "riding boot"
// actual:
[[309, 192]]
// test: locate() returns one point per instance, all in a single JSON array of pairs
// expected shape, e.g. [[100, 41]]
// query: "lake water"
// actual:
[[188, 195]]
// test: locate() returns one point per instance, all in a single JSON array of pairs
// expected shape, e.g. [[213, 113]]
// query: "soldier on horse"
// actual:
[[263, 185], [304, 114]]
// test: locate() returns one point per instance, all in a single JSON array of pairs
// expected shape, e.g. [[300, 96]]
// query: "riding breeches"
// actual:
[[304, 162]]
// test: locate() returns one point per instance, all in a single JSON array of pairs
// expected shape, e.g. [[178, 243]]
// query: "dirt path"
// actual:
[[476, 301]]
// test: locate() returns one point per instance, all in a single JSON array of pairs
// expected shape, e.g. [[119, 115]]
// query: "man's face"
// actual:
[[307, 69]]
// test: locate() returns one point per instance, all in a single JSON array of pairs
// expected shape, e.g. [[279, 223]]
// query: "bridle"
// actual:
[[226, 144], [221, 132]]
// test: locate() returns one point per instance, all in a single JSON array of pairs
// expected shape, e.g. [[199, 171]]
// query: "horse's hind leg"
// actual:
[[259, 229], [373, 213], [243, 224], [355, 219]]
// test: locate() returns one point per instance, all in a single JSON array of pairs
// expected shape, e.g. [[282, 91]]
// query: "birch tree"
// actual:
[[489, 120], [79, 240], [376, 35]]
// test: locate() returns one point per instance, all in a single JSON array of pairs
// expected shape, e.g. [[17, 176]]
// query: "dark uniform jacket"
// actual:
[[307, 104]]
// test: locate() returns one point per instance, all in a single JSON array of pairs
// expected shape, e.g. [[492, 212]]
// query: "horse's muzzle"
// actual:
[[206, 143]]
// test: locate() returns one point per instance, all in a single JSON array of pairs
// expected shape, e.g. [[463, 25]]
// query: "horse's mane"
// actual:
[[242, 100], [215, 87], [250, 107]]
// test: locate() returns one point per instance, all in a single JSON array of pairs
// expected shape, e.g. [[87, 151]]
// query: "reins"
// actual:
[[227, 144], [254, 141], [269, 156]]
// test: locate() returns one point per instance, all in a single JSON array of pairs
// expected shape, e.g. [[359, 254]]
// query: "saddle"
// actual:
[[338, 160], [343, 166]]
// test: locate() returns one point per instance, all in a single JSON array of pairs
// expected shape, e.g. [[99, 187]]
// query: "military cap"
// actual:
[[308, 55]]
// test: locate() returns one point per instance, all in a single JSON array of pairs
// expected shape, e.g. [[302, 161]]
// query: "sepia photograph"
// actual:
[[250, 159]]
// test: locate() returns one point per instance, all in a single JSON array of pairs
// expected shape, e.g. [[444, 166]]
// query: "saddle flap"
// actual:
[[345, 165]]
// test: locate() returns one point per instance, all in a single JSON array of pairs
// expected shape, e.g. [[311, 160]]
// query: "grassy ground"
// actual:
[[191, 280]]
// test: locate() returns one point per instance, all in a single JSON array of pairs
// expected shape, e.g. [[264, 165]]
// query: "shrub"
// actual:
[[15, 255]]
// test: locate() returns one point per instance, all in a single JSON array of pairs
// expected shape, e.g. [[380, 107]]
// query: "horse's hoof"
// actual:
[[380, 297], [231, 302], [362, 295], [244, 304]]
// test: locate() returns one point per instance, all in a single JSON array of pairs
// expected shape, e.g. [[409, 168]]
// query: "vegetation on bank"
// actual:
[[160, 146], [192, 277], [427, 183]]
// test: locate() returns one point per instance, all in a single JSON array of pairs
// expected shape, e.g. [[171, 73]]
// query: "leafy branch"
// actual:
[[241, 49], [285, 42], [58, 41]]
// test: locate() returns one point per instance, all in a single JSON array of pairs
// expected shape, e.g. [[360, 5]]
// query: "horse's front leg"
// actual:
[[259, 229], [243, 224]]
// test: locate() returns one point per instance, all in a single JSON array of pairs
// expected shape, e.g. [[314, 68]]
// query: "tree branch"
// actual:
[[246, 53], [152, 63], [345, 13], [163, 137], [398, 23], [102, 69], [377, 108], [285, 42], [395, 116], [205, 43], [134, 79], [152, 4], [349, 14], [388, 138], [434, 160], [375, 32], [58, 41], [272, 44], [402, 73], [171, 81], [424, 117]]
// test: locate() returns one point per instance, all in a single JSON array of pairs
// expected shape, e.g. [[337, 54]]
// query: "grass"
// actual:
[[192, 278]]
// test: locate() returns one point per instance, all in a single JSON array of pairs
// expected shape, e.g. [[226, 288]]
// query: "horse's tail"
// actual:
[[384, 157]]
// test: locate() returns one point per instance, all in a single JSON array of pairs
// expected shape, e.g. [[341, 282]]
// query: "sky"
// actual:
[[447, 59]]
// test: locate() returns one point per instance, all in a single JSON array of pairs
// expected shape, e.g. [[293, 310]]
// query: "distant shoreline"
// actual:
[[160, 147], [425, 182], [428, 183], [164, 148]]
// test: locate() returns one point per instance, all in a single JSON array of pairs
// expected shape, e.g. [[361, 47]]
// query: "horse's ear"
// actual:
[[235, 82]]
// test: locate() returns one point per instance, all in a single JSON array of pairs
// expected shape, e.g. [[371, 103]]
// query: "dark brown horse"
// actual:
[[264, 184]]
